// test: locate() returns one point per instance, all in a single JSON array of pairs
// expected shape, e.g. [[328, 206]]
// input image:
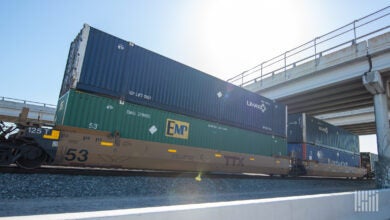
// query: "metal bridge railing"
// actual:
[[358, 30], [2, 98]]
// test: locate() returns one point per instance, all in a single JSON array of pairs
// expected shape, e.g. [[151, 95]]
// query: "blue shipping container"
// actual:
[[303, 128], [323, 155], [106, 65]]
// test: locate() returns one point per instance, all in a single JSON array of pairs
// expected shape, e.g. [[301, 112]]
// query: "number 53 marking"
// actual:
[[73, 154]]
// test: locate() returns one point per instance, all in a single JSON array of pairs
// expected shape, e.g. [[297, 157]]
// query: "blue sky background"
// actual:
[[222, 38]]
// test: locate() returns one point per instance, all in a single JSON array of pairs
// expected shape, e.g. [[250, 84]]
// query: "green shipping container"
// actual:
[[78, 109]]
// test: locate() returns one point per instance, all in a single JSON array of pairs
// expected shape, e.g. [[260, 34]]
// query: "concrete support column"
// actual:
[[374, 84]]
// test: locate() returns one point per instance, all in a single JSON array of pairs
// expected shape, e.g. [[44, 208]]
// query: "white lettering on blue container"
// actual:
[[267, 128], [140, 95], [260, 107], [325, 130], [121, 47]]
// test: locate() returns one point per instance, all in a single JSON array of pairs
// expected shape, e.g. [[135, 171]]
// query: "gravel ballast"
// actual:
[[29, 194]]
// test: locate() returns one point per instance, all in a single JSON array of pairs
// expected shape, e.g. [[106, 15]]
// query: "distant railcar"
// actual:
[[368, 161]]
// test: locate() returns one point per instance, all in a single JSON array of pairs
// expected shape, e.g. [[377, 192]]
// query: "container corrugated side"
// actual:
[[133, 121], [295, 128], [331, 156], [296, 150], [306, 129], [111, 66], [322, 133], [280, 118], [323, 155]]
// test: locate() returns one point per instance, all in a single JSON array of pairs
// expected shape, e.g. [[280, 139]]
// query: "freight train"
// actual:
[[122, 106]]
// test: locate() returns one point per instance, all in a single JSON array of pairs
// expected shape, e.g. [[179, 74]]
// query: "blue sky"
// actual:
[[222, 38]]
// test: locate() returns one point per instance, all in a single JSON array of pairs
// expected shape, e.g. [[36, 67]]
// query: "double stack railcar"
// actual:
[[124, 106], [324, 145]]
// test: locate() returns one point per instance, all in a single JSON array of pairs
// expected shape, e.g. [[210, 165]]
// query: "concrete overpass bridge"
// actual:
[[323, 77], [333, 83]]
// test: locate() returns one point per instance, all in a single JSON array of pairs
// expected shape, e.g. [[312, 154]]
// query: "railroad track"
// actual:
[[88, 171]]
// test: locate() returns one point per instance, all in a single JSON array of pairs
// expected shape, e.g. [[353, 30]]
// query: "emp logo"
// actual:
[[367, 201], [177, 129]]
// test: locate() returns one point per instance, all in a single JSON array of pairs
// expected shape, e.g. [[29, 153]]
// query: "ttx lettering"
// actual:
[[234, 161]]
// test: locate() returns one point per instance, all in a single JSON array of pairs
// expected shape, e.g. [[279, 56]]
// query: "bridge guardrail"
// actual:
[[2, 98], [357, 30]]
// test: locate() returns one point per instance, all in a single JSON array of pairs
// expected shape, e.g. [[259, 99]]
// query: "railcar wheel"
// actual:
[[31, 158]]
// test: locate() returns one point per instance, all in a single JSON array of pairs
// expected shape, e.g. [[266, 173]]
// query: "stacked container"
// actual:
[[118, 86], [133, 121], [312, 139]]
